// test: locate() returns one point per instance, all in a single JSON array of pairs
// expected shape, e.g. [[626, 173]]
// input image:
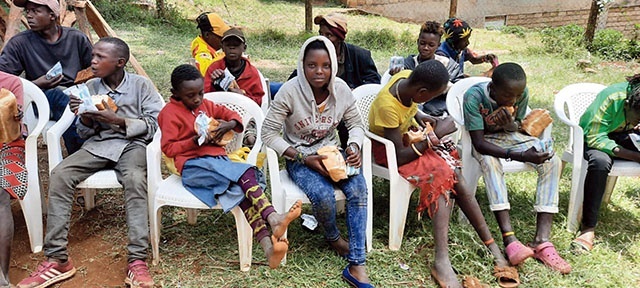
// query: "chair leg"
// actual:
[[33, 220], [192, 216], [245, 238], [611, 183], [89, 198], [155, 218], [574, 213], [398, 207], [340, 206]]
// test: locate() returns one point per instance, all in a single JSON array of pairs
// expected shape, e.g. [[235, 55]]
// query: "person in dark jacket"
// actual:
[[355, 65]]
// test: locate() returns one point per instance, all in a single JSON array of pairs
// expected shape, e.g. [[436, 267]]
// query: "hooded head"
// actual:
[[633, 91], [306, 76]]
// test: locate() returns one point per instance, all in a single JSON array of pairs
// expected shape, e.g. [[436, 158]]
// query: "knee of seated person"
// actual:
[[134, 177], [600, 162]]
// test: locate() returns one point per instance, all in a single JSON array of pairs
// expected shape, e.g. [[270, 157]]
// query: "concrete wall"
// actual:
[[620, 15]]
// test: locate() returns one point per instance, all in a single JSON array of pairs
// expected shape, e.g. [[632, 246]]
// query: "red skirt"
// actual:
[[13, 173], [431, 173]]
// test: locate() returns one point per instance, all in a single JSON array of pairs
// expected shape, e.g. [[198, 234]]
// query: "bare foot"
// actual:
[[281, 222], [278, 251], [444, 275], [341, 246], [498, 257]]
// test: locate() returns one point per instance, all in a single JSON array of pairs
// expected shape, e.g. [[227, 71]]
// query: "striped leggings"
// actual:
[[256, 206]]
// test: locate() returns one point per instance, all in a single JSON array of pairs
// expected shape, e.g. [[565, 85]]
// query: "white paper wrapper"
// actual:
[[309, 222], [396, 62], [202, 124], [82, 91], [635, 138], [226, 80], [54, 72], [544, 145]]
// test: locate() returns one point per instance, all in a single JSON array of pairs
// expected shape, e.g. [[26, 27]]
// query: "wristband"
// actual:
[[413, 146], [300, 158]]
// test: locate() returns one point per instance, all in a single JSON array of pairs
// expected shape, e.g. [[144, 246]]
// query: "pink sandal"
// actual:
[[547, 254], [517, 252]]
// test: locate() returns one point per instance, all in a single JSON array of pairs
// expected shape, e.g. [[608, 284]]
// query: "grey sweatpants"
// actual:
[[131, 170]]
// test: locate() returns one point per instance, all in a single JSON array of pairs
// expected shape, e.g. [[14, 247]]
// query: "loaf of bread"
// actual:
[[536, 121], [415, 135], [97, 100], [9, 127], [491, 118], [83, 76], [334, 163], [226, 138]]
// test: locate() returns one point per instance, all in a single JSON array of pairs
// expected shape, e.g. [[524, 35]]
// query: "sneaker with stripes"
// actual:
[[138, 275], [48, 273]]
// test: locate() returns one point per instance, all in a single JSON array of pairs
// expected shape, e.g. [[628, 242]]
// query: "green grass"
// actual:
[[206, 255]]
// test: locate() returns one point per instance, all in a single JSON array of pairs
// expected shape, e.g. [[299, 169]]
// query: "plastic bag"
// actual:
[[202, 127], [54, 72], [82, 91], [226, 81]]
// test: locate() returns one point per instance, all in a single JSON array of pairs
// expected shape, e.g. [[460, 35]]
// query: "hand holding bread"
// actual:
[[501, 116]]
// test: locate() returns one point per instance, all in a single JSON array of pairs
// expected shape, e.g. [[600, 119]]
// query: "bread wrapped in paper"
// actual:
[[334, 162], [536, 121], [9, 127], [204, 125], [97, 101], [419, 134]]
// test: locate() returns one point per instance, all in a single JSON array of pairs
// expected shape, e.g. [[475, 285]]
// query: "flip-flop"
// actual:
[[473, 282], [582, 244], [507, 277], [547, 254], [517, 252], [346, 275]]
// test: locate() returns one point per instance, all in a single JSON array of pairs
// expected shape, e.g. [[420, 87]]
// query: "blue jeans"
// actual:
[[57, 103], [319, 189]]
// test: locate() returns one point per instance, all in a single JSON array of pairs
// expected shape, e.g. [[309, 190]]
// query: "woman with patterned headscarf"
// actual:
[[608, 125], [456, 41]]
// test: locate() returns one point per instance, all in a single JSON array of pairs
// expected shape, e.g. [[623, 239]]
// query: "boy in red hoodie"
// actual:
[[206, 170]]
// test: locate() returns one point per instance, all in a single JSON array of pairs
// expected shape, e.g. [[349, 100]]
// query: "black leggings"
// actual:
[[594, 184]]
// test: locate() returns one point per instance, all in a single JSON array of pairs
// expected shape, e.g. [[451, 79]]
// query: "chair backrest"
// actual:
[[385, 77], [33, 96], [576, 98], [267, 93], [365, 95], [247, 109], [455, 97]]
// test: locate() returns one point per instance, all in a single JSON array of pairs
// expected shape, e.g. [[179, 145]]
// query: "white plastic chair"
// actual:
[[104, 179], [267, 93], [284, 192], [576, 98], [471, 169], [386, 77], [401, 188], [31, 205], [169, 191]]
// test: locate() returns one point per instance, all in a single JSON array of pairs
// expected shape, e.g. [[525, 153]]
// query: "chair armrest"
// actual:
[[558, 106], [154, 164], [390, 149], [54, 149]]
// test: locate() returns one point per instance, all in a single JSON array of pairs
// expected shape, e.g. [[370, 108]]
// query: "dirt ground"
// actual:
[[97, 241]]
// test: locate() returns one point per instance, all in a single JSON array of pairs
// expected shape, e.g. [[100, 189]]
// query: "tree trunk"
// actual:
[[453, 8], [308, 24], [160, 8], [591, 24]]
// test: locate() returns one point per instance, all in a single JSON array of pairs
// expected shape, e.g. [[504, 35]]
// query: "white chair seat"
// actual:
[[104, 179], [170, 191]]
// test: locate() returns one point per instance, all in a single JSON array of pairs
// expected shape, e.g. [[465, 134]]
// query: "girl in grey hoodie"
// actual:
[[307, 110]]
